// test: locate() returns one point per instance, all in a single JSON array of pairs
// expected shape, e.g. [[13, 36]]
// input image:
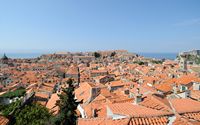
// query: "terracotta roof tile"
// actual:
[[185, 121], [102, 121], [187, 79], [185, 105], [51, 103], [129, 109], [158, 103], [149, 121], [193, 116], [83, 92], [3, 120], [195, 94]]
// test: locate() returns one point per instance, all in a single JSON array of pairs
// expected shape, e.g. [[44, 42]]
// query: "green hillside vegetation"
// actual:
[[196, 59], [6, 110], [12, 94], [32, 114]]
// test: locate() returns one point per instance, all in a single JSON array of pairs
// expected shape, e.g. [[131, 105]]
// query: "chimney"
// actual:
[[187, 93], [175, 88], [126, 92], [93, 93], [94, 113], [138, 97], [131, 86]]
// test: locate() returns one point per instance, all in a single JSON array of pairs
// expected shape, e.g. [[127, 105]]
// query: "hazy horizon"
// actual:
[[74, 51], [34, 55]]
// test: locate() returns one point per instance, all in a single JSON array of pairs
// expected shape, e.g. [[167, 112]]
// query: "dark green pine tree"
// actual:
[[113, 54], [67, 106], [97, 55], [32, 114]]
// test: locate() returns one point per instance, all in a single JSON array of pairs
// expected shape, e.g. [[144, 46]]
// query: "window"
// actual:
[[183, 88]]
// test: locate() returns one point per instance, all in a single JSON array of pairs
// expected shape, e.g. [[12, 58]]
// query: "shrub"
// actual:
[[12, 94]]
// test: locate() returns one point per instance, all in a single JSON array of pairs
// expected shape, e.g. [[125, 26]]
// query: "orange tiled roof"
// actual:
[[41, 95], [99, 107], [45, 88], [116, 83], [83, 92], [187, 79], [129, 109], [185, 121], [149, 121], [185, 105], [102, 121], [195, 94], [164, 87], [144, 89], [154, 102], [51, 104], [193, 116], [180, 121], [125, 121], [98, 71], [72, 70], [3, 120]]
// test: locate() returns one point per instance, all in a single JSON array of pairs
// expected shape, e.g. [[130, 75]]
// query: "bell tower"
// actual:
[[4, 59], [183, 63]]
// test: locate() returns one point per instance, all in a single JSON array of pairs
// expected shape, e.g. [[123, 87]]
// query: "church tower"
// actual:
[[4, 59], [183, 63]]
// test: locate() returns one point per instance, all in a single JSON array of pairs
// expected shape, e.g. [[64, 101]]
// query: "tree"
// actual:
[[24, 114], [97, 55], [32, 114], [67, 106], [113, 54], [8, 109], [12, 94], [157, 61], [139, 62]]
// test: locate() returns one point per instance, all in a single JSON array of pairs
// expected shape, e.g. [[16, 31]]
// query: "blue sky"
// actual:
[[88, 25]]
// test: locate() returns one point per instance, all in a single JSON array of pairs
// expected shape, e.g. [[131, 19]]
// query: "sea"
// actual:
[[21, 55], [171, 56]]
